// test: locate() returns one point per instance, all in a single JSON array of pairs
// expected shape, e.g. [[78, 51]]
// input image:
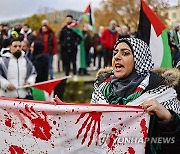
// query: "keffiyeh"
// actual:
[[142, 55]]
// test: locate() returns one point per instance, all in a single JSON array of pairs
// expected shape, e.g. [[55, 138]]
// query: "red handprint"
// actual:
[[13, 149], [111, 140], [41, 126], [95, 117]]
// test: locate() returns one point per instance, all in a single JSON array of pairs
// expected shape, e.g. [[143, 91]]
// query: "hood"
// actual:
[[4, 50], [171, 75], [38, 47], [8, 54], [28, 32]]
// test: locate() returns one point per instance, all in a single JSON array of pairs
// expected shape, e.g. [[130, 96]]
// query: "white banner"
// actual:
[[28, 127]]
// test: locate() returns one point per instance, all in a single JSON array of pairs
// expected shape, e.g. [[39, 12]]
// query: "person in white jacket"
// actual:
[[16, 71]]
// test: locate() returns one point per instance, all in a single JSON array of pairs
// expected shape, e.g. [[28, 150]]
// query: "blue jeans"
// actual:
[[51, 72]]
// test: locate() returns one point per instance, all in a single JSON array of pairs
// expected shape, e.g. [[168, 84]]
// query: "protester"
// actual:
[[69, 41], [6, 43], [131, 78], [175, 53], [26, 33], [47, 36], [26, 48], [40, 61], [108, 39], [124, 33], [87, 46], [16, 71], [133, 33], [98, 47], [175, 35]]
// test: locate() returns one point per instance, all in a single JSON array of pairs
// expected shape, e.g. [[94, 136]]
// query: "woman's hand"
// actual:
[[152, 106], [56, 100]]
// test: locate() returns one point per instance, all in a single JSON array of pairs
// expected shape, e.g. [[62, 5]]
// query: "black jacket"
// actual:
[[68, 39]]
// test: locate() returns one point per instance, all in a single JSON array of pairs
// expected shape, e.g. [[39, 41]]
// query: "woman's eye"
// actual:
[[125, 53], [114, 53]]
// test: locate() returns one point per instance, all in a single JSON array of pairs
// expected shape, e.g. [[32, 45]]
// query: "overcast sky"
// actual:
[[12, 9]]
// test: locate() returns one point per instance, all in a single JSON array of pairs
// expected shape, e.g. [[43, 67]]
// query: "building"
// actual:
[[58, 16], [173, 14]]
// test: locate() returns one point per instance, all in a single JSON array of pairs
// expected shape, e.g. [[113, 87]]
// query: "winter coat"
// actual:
[[68, 39], [17, 72], [108, 39], [40, 61], [51, 46], [158, 128]]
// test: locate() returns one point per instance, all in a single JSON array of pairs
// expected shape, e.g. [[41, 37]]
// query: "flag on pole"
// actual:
[[88, 15], [155, 34], [45, 90], [40, 127]]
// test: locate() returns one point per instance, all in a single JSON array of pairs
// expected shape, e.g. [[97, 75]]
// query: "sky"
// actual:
[[12, 9]]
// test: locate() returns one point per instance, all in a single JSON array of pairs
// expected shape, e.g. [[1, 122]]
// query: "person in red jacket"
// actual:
[[108, 39], [48, 38]]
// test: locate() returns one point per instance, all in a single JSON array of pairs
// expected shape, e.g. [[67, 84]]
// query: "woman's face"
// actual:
[[32, 47], [122, 61]]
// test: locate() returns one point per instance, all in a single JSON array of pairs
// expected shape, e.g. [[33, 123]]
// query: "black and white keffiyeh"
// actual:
[[142, 55]]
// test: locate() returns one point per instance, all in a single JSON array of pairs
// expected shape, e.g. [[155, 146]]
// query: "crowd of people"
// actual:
[[27, 58], [40, 46]]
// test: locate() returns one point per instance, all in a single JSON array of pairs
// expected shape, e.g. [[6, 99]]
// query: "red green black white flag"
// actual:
[[155, 34]]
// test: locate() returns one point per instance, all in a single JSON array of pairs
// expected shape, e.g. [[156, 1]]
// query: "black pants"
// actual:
[[68, 58], [107, 54]]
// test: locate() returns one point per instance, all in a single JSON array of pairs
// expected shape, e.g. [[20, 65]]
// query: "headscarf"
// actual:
[[38, 48], [127, 89], [142, 55]]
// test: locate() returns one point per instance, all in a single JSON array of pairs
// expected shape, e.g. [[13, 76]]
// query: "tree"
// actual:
[[35, 21], [125, 11]]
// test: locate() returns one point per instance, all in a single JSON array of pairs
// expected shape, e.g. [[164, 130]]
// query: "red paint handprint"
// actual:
[[111, 141], [94, 117], [41, 126], [14, 149], [144, 129]]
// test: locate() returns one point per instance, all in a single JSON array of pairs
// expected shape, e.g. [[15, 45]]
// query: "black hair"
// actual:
[[5, 43], [26, 25], [14, 39], [38, 47], [69, 16]]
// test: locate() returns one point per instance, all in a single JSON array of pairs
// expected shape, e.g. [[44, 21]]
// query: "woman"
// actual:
[[40, 61], [131, 79]]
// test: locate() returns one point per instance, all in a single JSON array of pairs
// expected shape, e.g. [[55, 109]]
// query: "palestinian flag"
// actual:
[[155, 34], [46, 90], [89, 17], [81, 54]]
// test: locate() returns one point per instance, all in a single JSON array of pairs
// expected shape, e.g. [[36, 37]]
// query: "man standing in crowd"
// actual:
[[108, 39], [69, 40], [16, 71], [26, 33]]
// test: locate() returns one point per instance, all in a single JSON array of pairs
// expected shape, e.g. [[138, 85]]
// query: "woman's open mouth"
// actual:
[[119, 66]]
